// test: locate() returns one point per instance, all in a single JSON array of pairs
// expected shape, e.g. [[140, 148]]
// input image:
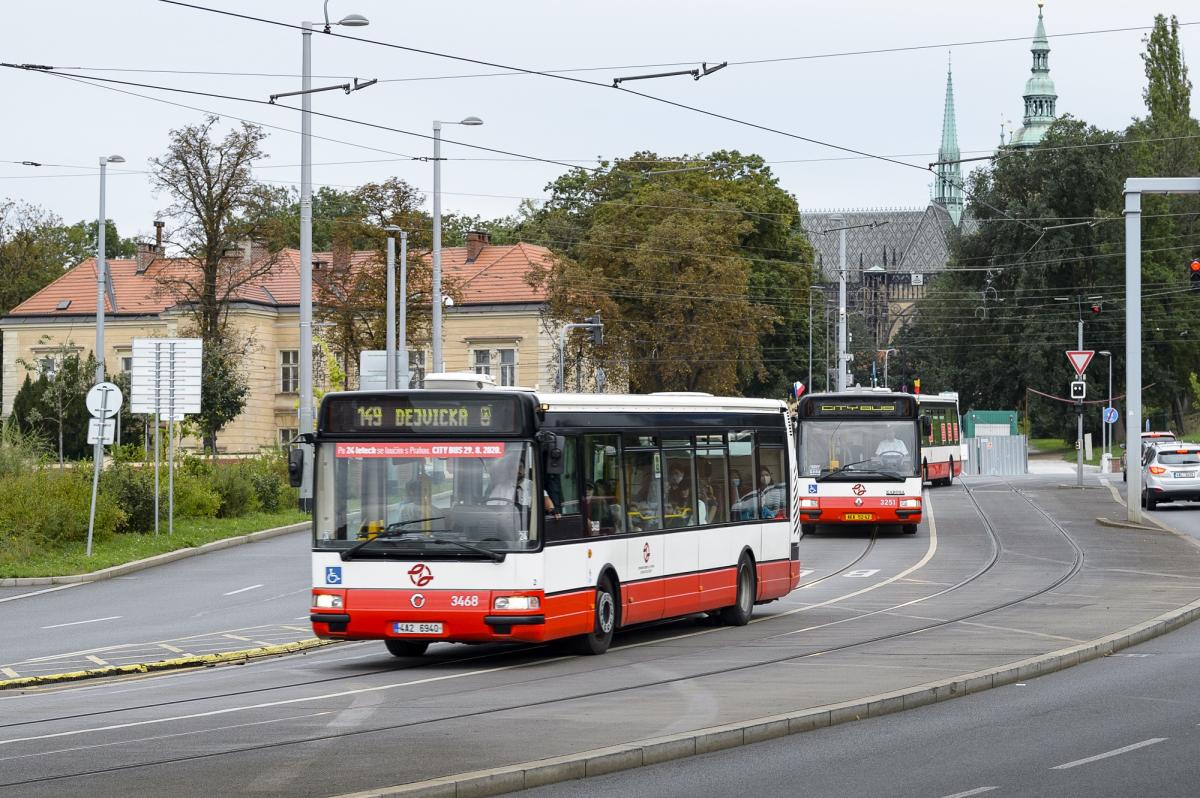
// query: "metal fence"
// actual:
[[997, 455]]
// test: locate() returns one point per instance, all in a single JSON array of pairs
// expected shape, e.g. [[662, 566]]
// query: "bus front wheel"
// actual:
[[738, 614], [406, 648], [604, 622]]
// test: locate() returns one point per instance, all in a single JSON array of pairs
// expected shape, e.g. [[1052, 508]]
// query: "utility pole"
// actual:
[[843, 356]]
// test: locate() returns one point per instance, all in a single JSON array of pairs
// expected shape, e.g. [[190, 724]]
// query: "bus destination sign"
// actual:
[[379, 413], [853, 407]]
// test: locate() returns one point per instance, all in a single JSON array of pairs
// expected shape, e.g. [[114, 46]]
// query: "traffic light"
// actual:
[[1079, 390], [597, 329], [1096, 308], [916, 386], [1194, 271]]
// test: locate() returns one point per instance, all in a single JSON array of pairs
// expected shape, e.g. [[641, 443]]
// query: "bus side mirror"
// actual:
[[296, 466], [553, 446], [926, 426]]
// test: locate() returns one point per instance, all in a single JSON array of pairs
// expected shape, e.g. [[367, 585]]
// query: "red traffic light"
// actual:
[[1195, 267], [1194, 275], [1096, 308]]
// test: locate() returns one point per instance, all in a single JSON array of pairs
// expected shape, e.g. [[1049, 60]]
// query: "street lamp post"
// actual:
[[392, 351], [436, 312], [811, 288], [306, 311], [101, 280], [886, 352], [1105, 429]]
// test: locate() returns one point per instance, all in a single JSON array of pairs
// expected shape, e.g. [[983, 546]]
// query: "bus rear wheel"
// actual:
[[406, 648], [738, 613], [604, 622]]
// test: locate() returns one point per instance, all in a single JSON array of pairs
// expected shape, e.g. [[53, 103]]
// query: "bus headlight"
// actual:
[[910, 504], [327, 601], [516, 603], [810, 503]]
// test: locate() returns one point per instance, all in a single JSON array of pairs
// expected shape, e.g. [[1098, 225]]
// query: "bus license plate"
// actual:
[[416, 628], [859, 516]]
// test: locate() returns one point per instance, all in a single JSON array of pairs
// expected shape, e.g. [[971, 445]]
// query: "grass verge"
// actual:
[[123, 548]]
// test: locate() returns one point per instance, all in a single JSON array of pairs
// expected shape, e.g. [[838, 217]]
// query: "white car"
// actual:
[[1148, 438], [1170, 473]]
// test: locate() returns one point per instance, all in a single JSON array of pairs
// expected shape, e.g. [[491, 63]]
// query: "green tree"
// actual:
[[53, 405], [606, 225], [81, 240], [219, 225], [34, 251]]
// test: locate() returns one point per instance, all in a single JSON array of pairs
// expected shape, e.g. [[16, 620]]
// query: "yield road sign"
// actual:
[[104, 397], [1079, 359]]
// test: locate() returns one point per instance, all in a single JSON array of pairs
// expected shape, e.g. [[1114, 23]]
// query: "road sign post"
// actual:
[[103, 402]]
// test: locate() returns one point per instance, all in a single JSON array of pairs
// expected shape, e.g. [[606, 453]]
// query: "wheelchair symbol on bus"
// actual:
[[812, 488], [333, 574]]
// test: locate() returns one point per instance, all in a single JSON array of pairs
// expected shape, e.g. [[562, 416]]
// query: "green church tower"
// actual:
[[948, 189], [1039, 93]]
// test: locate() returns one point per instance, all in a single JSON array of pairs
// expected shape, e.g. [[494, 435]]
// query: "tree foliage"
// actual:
[[670, 251], [34, 251]]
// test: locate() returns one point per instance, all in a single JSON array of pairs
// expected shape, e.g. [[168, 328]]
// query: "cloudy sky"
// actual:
[[886, 103]]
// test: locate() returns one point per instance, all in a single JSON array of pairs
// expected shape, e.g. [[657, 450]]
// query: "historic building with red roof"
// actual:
[[495, 326]]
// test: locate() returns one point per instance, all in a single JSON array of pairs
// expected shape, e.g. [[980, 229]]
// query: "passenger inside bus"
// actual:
[[604, 513]]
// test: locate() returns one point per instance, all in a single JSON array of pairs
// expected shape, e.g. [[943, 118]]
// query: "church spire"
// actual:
[[948, 191], [1040, 98]]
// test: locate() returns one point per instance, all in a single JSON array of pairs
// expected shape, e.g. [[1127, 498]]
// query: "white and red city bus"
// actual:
[[507, 515], [942, 451], [858, 454]]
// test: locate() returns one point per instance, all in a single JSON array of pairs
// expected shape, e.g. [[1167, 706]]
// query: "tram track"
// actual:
[[994, 558]]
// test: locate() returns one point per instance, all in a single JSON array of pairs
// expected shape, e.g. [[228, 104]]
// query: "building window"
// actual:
[[289, 370], [416, 368], [49, 367], [508, 366], [127, 363], [483, 361], [287, 434]]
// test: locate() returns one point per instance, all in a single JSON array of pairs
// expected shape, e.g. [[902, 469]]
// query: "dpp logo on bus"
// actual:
[[420, 574], [333, 574]]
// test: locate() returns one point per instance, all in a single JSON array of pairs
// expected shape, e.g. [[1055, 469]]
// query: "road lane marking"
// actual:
[[235, 637], [1107, 754], [40, 592], [242, 590], [166, 736], [77, 623], [171, 648], [10, 673], [96, 660], [976, 791], [284, 702]]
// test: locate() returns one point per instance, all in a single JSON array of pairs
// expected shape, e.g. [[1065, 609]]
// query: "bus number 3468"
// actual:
[[464, 601]]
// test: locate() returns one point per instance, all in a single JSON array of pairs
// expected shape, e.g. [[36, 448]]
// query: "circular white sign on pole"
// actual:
[[104, 395]]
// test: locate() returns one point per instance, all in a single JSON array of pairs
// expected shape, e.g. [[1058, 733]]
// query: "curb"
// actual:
[[655, 750], [1117, 524], [202, 660], [150, 562]]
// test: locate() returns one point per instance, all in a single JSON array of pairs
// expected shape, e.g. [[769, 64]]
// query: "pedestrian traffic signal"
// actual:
[[1194, 271]]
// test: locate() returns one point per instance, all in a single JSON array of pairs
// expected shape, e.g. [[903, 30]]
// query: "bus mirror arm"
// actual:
[[553, 446], [926, 426]]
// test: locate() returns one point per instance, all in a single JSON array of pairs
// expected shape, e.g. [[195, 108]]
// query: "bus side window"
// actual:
[[564, 488], [743, 498], [603, 512]]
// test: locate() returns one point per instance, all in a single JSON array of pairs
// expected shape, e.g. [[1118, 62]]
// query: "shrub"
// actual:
[[268, 474], [133, 491], [51, 506], [236, 489], [20, 452], [194, 497]]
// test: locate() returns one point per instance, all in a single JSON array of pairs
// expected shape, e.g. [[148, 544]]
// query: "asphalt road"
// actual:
[[235, 598], [1125, 725]]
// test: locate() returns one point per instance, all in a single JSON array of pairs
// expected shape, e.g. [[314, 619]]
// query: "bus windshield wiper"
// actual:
[[842, 469], [401, 534], [394, 530]]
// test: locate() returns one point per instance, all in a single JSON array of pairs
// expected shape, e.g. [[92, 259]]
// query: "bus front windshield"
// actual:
[[859, 450], [446, 498]]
